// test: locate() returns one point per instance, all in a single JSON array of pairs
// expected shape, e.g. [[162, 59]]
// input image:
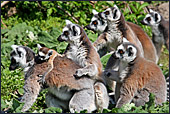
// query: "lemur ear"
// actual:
[[68, 22], [125, 40], [115, 6], [50, 52], [76, 30], [14, 47], [116, 12], [39, 46], [151, 11], [94, 11]]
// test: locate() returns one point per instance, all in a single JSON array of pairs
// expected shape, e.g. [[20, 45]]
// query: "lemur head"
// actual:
[[21, 56], [151, 19], [112, 14], [44, 53], [126, 52], [97, 24], [71, 32]]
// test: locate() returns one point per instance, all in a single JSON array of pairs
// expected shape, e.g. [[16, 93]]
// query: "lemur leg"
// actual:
[[102, 98], [124, 99], [83, 100], [141, 98], [52, 101], [31, 92], [90, 70]]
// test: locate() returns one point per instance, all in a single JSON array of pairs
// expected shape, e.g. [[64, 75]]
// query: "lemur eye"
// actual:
[[107, 13], [148, 19], [66, 33], [121, 51], [95, 22]]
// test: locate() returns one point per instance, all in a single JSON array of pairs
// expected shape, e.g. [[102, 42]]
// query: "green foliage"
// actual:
[[42, 22]]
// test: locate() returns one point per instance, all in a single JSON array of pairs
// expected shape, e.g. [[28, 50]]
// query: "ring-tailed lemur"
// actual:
[[81, 50], [64, 91], [160, 30], [100, 26], [23, 56], [137, 77]]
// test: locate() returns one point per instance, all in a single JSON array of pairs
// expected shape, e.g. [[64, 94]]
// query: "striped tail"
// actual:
[[167, 82]]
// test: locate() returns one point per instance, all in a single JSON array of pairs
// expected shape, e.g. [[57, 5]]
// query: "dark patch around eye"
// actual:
[[121, 51], [148, 19], [66, 33], [95, 22], [107, 13]]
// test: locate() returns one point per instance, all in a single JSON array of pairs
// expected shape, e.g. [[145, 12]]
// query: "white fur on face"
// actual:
[[99, 27], [125, 40], [125, 56], [41, 54], [74, 33], [21, 60], [151, 21], [111, 14], [120, 47]]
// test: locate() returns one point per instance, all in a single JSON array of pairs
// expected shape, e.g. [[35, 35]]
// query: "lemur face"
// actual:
[[44, 53], [97, 24], [111, 14], [126, 52], [153, 18], [71, 32], [19, 57]]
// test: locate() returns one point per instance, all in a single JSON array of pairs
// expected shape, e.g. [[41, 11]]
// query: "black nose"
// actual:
[[100, 15], [88, 27], [60, 39], [108, 74], [142, 22], [11, 68]]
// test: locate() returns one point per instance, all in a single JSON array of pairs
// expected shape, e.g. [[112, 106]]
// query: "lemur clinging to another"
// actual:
[[137, 77], [64, 91], [160, 30], [25, 57], [81, 51]]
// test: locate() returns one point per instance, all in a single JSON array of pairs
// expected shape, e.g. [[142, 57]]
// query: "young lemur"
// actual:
[[81, 51], [137, 77], [64, 91], [160, 30]]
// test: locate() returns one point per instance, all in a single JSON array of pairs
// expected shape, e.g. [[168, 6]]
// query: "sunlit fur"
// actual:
[[160, 30], [137, 78]]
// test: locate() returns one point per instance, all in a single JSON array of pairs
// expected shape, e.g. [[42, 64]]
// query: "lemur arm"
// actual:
[[127, 92], [90, 70], [100, 42]]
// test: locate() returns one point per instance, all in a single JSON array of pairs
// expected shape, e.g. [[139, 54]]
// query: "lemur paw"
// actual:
[[41, 80], [79, 73]]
